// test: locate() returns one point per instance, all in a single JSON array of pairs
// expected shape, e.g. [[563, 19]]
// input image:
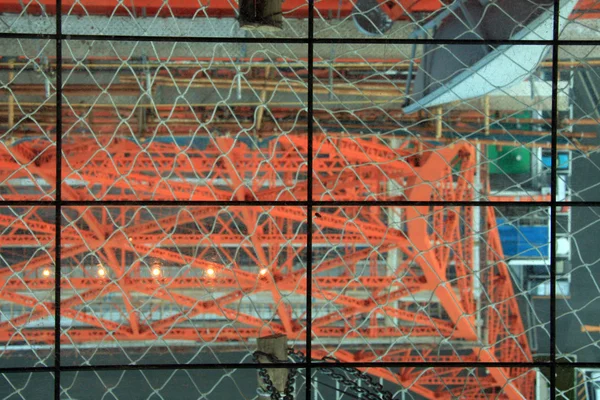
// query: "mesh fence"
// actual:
[[405, 190], [578, 383]]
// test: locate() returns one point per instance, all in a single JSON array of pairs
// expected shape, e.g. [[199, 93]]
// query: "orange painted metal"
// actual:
[[432, 241], [186, 9], [396, 9]]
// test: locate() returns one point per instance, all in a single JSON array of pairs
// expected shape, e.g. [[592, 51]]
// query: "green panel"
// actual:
[[508, 159]]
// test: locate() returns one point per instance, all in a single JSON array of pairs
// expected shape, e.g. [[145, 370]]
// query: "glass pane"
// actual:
[[30, 386], [171, 384], [428, 383], [27, 270], [185, 19], [582, 22], [180, 285], [183, 121], [474, 134], [28, 119], [32, 17], [428, 284], [578, 167], [578, 283], [467, 20], [577, 383]]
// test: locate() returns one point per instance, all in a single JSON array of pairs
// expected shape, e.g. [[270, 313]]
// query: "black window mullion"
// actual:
[[58, 202], [553, 192], [309, 199]]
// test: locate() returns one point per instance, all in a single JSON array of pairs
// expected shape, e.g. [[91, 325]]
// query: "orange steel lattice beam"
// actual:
[[261, 250], [397, 9]]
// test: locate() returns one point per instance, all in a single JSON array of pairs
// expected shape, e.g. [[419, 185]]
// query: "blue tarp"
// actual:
[[523, 241]]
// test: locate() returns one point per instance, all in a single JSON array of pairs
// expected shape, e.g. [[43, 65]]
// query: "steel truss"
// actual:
[[205, 273]]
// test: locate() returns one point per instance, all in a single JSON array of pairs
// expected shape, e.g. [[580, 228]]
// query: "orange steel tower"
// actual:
[[398, 282], [396, 10]]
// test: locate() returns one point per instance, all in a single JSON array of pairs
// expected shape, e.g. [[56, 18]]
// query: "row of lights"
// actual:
[[155, 270], [46, 272], [101, 271]]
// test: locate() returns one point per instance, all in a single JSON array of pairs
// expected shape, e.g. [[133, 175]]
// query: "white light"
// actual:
[[263, 271], [210, 272], [46, 272], [101, 272], [156, 271]]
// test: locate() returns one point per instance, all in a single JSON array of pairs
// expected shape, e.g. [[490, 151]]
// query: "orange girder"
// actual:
[[398, 9], [211, 266]]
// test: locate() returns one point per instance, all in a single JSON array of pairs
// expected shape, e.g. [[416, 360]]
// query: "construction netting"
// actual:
[[406, 191]]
